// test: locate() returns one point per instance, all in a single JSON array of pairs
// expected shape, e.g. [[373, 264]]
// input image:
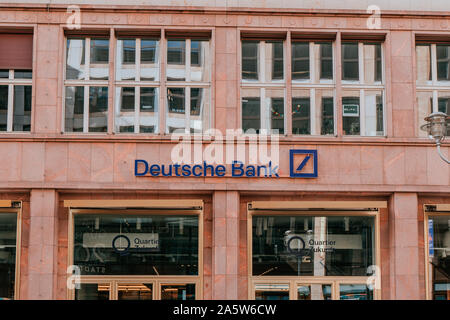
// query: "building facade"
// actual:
[[353, 203]]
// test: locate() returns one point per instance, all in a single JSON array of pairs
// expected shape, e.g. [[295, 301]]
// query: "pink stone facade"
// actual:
[[45, 167]]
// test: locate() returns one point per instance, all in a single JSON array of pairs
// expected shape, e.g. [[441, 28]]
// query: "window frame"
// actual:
[[293, 281], [87, 84], [175, 209], [11, 83], [362, 86]]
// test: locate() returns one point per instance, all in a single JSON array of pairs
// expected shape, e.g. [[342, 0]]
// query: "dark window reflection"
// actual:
[[277, 115], [355, 292], [348, 250], [92, 291], [176, 51], [8, 228], [98, 109], [250, 60], [251, 114], [129, 51], [301, 123], [326, 61], [277, 60], [350, 64], [444, 106], [22, 108], [136, 245], [300, 60], [327, 116], [3, 108], [350, 119], [443, 62]]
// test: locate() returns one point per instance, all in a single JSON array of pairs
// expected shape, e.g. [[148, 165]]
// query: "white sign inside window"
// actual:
[[121, 240]]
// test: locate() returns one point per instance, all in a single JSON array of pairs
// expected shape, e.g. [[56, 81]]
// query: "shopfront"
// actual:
[[437, 218], [299, 251], [141, 250]]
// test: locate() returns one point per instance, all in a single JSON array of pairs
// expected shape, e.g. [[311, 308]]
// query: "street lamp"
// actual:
[[436, 127]]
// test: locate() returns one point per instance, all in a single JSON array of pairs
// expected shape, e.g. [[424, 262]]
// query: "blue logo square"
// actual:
[[295, 170]]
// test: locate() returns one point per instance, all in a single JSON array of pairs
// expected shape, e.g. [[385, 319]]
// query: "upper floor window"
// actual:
[[188, 85], [263, 61], [86, 85], [432, 80], [15, 82], [363, 89], [137, 85]]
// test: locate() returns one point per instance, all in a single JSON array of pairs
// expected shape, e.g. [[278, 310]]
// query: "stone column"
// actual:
[[225, 246], [404, 246], [43, 248]]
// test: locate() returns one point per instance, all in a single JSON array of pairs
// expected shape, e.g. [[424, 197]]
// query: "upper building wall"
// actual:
[[409, 5]]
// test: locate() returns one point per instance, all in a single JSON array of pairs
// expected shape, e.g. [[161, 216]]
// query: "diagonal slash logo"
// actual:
[[302, 167]]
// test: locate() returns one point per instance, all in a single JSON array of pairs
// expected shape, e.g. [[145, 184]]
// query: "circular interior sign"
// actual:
[[121, 244], [296, 245]]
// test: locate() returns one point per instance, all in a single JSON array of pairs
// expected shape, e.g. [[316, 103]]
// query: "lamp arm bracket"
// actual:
[[438, 145]]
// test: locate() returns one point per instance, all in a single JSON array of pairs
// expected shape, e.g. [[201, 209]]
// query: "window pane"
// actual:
[[372, 63], [439, 256], [326, 100], [176, 57], [200, 110], [98, 109], [250, 60], [75, 59], [301, 112], [333, 245], [373, 110], [271, 292], [149, 60], [314, 292], [178, 292], [3, 108], [274, 63], [300, 60], [443, 59], [99, 68], [92, 291], [4, 74], [74, 109], [251, 110], [22, 108], [126, 59], [425, 107], [136, 244], [148, 112], [22, 74], [423, 62], [142, 291], [8, 233], [326, 60], [200, 61], [444, 105], [350, 114], [350, 65], [274, 109], [125, 113], [176, 111], [355, 292]]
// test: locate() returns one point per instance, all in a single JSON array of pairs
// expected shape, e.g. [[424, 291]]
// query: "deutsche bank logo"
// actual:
[[303, 163]]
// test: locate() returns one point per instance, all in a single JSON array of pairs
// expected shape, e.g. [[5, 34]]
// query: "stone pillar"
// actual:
[[225, 246], [226, 76], [43, 248], [46, 87], [399, 69], [404, 246]]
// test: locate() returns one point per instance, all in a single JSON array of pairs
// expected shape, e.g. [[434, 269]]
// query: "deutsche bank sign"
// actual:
[[302, 164]]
